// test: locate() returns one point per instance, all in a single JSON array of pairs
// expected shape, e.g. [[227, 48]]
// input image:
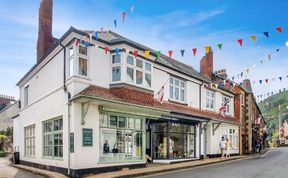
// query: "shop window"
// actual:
[[177, 89], [29, 140], [121, 140], [53, 138]]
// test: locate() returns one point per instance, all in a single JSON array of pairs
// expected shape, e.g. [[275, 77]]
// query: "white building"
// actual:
[[91, 105]]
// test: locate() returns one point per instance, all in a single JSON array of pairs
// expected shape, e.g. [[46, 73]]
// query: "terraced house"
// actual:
[[94, 107]]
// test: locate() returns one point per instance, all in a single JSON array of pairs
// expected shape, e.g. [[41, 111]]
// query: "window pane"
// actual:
[[130, 60], [138, 124], [148, 80], [56, 125], [82, 50], [71, 51], [130, 74], [122, 122], [131, 123], [182, 84], [116, 73], [139, 77], [171, 80], [176, 82], [82, 66], [171, 91], [177, 93], [116, 59], [147, 66], [113, 121], [182, 95], [139, 63]]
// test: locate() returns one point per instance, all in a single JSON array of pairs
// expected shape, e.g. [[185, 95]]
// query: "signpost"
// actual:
[[87, 137]]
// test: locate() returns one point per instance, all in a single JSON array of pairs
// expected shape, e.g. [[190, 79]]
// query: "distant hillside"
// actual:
[[270, 110]]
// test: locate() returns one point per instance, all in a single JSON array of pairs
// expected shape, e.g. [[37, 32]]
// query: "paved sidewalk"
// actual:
[[163, 168]]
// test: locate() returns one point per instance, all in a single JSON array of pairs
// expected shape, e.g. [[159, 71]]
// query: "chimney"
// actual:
[[45, 38], [206, 64], [247, 85]]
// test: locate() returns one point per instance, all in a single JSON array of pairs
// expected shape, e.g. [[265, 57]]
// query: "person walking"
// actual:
[[228, 147], [222, 145]]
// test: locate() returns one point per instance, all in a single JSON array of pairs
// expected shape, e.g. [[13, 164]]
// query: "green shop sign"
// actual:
[[87, 137]]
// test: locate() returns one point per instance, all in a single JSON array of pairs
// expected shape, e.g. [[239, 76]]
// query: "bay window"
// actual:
[[210, 100], [177, 89], [53, 138]]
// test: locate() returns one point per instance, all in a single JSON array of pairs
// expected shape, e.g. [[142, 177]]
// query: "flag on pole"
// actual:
[[161, 94]]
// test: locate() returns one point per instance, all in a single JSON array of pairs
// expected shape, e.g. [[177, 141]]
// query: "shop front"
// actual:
[[171, 139]]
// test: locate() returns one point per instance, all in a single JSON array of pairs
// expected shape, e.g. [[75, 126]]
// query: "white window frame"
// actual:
[[84, 57], [29, 140], [71, 59], [120, 64], [209, 98], [228, 106], [233, 137], [174, 86], [135, 69]]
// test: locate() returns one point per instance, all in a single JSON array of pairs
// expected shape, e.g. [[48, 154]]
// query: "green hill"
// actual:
[[270, 110]]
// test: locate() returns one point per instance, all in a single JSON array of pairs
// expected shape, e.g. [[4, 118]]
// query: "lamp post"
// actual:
[[279, 122]]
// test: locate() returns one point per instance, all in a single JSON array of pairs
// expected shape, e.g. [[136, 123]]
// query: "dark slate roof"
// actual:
[[114, 39]]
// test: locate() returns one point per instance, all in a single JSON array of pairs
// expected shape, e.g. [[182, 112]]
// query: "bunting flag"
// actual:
[[182, 51], [207, 49], [279, 29], [147, 53], [277, 50], [170, 53], [253, 37], [81, 41], [242, 74], [158, 54], [267, 80], [123, 16], [96, 35], [194, 51], [132, 9], [77, 42], [117, 51], [135, 53], [85, 38], [261, 61], [86, 44], [106, 50], [266, 34], [90, 36], [115, 23], [240, 41], [220, 46], [280, 78], [269, 56], [260, 81]]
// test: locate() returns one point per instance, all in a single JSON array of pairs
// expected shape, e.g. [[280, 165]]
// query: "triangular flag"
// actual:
[[240, 41], [242, 74], [123, 16], [194, 51], [77, 42], [261, 61], [266, 34], [277, 49], [280, 78], [207, 49], [96, 35], [266, 80], [260, 81], [86, 44], [132, 9], [170, 53], [117, 51], [147, 53], [90, 35], [279, 29], [81, 41], [106, 50], [135, 53], [233, 78], [253, 37], [269, 56], [158, 54], [182, 52], [220, 46], [115, 23]]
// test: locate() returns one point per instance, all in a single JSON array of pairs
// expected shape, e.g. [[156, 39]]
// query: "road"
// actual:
[[273, 165], [7, 171]]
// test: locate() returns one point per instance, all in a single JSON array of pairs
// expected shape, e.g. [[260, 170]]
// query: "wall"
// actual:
[[6, 116]]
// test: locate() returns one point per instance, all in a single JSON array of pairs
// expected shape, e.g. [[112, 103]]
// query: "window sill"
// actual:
[[53, 158], [178, 102]]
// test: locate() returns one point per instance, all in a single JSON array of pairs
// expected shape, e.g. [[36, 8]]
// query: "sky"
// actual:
[[161, 25]]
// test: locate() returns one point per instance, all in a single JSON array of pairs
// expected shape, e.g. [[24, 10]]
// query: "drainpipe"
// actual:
[[200, 96], [68, 104], [200, 133]]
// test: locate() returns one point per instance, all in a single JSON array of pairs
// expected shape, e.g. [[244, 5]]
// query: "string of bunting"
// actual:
[[267, 94]]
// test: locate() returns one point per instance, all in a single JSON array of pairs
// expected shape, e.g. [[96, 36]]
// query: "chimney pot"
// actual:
[[206, 64]]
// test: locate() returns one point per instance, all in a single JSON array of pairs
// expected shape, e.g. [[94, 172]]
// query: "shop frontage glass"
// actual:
[[121, 138]]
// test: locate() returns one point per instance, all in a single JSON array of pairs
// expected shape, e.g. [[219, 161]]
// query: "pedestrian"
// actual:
[[228, 147], [222, 145], [258, 142], [106, 148], [261, 145]]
